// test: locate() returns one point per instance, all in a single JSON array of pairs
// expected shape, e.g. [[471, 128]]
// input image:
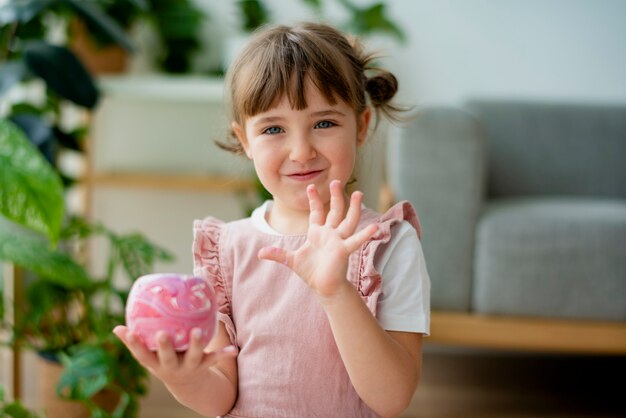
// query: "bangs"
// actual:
[[280, 61], [277, 66]]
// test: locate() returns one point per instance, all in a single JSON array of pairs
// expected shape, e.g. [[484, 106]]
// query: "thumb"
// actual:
[[214, 357], [276, 254]]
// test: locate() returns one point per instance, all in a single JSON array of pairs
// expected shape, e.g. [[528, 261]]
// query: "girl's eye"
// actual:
[[324, 124], [273, 130]]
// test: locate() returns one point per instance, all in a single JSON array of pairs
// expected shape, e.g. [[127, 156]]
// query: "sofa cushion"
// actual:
[[553, 149], [437, 163], [552, 257]]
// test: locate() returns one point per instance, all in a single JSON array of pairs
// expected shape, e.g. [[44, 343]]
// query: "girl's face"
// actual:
[[294, 148]]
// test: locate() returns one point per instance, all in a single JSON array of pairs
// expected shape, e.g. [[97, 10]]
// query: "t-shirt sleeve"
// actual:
[[404, 304], [206, 264]]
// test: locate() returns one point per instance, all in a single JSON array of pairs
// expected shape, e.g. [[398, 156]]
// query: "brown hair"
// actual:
[[279, 59]]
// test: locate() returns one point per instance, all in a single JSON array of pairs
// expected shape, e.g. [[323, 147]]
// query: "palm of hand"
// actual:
[[322, 261]]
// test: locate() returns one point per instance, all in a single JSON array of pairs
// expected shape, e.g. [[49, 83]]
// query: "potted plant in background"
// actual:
[[176, 25], [362, 21], [68, 312]]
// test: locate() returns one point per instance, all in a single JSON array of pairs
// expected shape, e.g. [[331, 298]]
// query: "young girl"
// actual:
[[322, 302]]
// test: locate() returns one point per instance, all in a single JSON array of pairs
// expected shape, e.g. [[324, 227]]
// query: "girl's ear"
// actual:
[[241, 136], [363, 124]]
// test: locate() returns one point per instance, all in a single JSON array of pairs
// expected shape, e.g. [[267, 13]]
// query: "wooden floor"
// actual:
[[485, 384], [489, 384]]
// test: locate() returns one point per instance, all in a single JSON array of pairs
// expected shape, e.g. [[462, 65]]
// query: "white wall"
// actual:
[[547, 49], [550, 49]]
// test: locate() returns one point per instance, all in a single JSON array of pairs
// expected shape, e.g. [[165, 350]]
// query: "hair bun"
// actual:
[[381, 87]]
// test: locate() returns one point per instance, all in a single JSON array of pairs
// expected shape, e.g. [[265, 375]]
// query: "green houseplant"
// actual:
[[14, 409], [176, 25], [68, 312], [362, 20]]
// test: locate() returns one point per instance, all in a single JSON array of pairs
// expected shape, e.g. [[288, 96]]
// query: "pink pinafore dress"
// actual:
[[288, 362]]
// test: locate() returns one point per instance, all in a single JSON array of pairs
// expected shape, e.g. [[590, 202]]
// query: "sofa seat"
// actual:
[[553, 257]]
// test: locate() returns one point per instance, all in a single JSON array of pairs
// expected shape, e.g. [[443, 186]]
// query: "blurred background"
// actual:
[[536, 328]]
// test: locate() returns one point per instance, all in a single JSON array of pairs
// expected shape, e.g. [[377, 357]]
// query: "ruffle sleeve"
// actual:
[[369, 278], [206, 264]]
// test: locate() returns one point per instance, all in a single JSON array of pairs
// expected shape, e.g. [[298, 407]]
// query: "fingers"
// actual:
[[166, 363], [165, 350], [349, 224], [276, 254], [214, 357], [194, 354], [353, 242], [200, 355], [316, 207], [337, 204], [145, 357]]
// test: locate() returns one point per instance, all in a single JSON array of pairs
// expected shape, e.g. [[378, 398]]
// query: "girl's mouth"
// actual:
[[304, 176]]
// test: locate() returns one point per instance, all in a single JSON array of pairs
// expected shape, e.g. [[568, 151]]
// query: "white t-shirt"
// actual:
[[404, 304]]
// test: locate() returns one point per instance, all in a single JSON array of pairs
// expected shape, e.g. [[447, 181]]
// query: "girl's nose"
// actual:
[[301, 149]]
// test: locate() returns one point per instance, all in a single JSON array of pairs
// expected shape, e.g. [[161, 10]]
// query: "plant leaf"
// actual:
[[11, 73], [315, 4], [86, 371], [96, 17], [17, 410], [373, 19], [36, 128], [31, 192], [25, 107], [21, 10], [179, 21], [254, 14], [62, 72], [68, 140], [139, 255], [141, 4], [35, 255], [78, 227], [39, 132], [14, 408]]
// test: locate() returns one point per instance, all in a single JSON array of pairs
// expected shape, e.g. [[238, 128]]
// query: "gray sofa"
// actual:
[[523, 207]]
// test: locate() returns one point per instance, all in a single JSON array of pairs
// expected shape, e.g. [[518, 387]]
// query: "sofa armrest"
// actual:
[[437, 162]]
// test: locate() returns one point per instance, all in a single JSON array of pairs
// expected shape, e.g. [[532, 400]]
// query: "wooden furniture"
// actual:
[[154, 167], [527, 334], [10, 357]]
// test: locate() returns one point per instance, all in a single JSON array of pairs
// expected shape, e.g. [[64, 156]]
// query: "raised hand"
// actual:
[[322, 261]]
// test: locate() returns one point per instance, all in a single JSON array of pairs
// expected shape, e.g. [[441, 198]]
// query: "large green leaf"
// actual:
[[21, 10], [62, 72], [31, 192], [36, 255], [95, 17]]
